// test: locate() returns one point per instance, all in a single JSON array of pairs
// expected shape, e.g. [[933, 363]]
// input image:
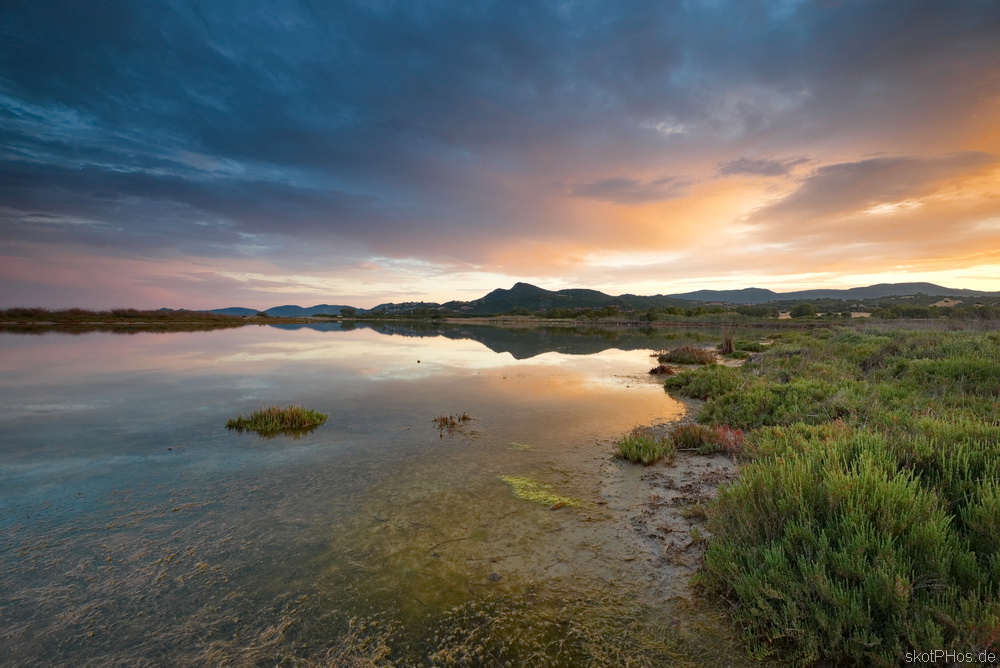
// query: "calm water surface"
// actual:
[[138, 531]]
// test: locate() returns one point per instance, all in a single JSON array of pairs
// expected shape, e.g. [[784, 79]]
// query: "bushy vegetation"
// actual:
[[79, 315], [277, 419], [750, 346], [687, 355], [715, 380], [867, 521], [908, 307], [76, 321], [643, 447]]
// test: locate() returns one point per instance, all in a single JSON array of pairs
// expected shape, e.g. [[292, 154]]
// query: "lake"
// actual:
[[137, 530]]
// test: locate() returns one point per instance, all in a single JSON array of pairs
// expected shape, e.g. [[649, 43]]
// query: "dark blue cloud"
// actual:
[[171, 126]]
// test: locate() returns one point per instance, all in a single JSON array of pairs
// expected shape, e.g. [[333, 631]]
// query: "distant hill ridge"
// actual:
[[762, 296], [287, 311], [525, 296]]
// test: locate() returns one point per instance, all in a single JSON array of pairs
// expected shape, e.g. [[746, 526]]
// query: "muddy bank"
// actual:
[[660, 509]]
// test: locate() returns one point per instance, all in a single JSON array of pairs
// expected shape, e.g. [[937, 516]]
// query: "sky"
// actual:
[[212, 153]]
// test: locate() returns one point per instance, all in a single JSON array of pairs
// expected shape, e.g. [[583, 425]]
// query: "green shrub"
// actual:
[[868, 522], [803, 311], [833, 554], [688, 355], [981, 520], [643, 447], [965, 375], [807, 401], [689, 436], [790, 440], [707, 382]]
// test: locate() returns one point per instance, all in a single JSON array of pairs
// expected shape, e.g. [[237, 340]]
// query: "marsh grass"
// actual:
[[687, 355], [277, 420], [865, 524], [643, 447]]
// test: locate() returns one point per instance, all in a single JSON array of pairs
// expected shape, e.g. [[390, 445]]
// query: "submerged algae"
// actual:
[[530, 489]]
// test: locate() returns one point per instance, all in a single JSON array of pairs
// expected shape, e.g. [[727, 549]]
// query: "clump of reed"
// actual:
[[662, 370], [277, 419], [450, 423], [687, 355], [642, 446]]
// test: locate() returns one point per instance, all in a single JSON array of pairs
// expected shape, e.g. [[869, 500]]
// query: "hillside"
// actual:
[[528, 298], [763, 296]]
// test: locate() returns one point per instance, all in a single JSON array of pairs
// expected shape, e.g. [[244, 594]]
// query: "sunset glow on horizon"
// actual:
[[205, 155]]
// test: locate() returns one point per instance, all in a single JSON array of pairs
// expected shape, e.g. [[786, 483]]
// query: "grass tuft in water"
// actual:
[[451, 423], [277, 419]]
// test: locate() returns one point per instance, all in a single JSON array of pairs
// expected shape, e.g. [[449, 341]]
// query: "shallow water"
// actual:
[[137, 530]]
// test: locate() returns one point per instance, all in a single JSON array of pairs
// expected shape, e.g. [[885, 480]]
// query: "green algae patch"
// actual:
[[524, 447], [530, 489], [277, 420]]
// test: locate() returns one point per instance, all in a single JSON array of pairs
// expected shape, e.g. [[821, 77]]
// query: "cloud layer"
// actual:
[[361, 151]]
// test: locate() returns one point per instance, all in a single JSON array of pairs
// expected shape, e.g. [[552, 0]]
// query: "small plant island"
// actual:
[[276, 420]]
